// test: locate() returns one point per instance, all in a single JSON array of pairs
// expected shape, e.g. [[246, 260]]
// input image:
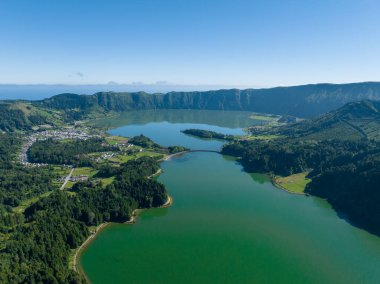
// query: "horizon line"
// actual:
[[183, 85]]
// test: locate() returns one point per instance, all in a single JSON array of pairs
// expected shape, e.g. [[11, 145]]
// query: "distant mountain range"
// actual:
[[307, 101], [301, 101]]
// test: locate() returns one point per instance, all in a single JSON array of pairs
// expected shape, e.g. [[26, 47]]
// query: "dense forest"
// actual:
[[300, 101], [346, 173], [69, 152], [207, 134], [18, 183], [36, 244]]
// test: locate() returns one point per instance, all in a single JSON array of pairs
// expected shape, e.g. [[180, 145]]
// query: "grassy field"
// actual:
[[87, 171], [294, 183], [114, 140], [121, 158], [69, 184], [126, 158], [61, 171], [263, 117], [107, 181], [28, 202], [147, 154], [259, 137]]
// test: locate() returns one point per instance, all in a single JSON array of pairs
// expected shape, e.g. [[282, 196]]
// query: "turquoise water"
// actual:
[[169, 134], [228, 226]]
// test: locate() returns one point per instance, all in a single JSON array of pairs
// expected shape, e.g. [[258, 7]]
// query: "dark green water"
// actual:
[[227, 226]]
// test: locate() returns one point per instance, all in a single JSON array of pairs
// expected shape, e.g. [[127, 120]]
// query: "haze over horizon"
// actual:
[[189, 43]]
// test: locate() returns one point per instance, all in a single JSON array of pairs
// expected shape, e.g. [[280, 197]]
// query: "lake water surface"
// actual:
[[227, 226]]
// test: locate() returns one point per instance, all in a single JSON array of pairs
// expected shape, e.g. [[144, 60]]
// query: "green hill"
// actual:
[[353, 121], [22, 115]]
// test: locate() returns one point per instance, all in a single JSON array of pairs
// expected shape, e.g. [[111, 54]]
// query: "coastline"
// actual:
[[77, 267], [278, 186]]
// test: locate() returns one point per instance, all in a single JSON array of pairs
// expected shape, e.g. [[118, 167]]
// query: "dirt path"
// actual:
[[67, 179]]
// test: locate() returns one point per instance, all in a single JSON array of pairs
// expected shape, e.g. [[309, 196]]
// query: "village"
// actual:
[[127, 151]]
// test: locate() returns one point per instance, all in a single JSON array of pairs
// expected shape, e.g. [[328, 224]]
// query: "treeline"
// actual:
[[288, 156], [146, 142], [72, 152], [39, 250], [177, 149], [143, 141], [207, 134], [346, 173]]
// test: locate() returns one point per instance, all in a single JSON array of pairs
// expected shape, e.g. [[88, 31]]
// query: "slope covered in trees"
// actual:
[[344, 168], [18, 115], [301, 101], [36, 243], [353, 121]]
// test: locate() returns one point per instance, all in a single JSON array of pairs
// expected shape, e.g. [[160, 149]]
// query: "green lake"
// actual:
[[225, 225]]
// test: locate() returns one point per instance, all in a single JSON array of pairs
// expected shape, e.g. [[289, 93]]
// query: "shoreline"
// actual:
[[77, 267], [136, 212], [278, 186], [168, 157]]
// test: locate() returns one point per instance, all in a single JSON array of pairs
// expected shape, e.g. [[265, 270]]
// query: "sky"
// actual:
[[189, 42]]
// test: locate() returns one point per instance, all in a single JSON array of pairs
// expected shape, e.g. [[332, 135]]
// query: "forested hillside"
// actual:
[[37, 238], [353, 121], [301, 101], [19, 115], [339, 152], [36, 244]]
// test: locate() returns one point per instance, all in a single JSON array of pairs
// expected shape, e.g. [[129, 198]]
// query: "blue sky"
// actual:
[[190, 42]]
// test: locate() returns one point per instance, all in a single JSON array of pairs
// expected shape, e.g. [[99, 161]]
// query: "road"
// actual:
[[67, 179]]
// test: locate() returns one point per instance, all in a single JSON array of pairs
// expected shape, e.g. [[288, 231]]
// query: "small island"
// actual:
[[207, 134]]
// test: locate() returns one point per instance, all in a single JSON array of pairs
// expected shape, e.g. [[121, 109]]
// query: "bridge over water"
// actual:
[[189, 151], [211, 151]]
